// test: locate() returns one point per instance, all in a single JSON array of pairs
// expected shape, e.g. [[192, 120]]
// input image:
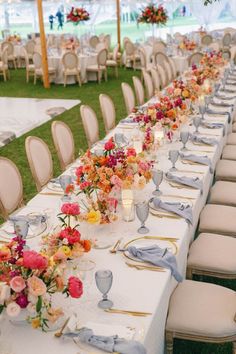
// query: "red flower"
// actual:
[[109, 145], [72, 235], [70, 188], [85, 185], [34, 260], [70, 209], [75, 287], [130, 152]]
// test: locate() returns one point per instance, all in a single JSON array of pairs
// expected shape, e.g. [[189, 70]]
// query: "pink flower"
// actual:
[[75, 287], [13, 309], [72, 235], [70, 209], [112, 203], [109, 145], [131, 152], [36, 286], [22, 301], [85, 185], [116, 181], [34, 260], [17, 284], [79, 171]]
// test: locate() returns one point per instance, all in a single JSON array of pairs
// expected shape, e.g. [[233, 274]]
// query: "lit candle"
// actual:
[[128, 210]]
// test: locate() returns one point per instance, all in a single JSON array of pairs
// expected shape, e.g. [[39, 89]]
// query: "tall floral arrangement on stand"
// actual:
[[154, 15], [76, 16]]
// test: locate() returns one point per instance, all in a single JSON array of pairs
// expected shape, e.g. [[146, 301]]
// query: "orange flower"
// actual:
[[86, 244]]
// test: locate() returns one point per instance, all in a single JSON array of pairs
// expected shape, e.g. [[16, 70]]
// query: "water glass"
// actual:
[[64, 181], [128, 210], [184, 136], [202, 110], [142, 212], [196, 123], [173, 157], [104, 279], [157, 177], [85, 271], [21, 226], [207, 101]]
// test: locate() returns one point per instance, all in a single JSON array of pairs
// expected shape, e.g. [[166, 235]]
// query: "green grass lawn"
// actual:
[[88, 94]]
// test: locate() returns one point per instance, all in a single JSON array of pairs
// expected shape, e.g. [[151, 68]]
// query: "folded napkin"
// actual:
[[185, 211], [203, 160], [212, 125], [127, 121], [211, 111], [109, 344], [221, 104], [194, 182], [157, 256], [203, 139]]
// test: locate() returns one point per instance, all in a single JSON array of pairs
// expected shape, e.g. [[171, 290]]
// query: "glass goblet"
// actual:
[[21, 226], [157, 177], [64, 181], [104, 279], [173, 157], [202, 110], [196, 123], [142, 212], [184, 136], [207, 101]]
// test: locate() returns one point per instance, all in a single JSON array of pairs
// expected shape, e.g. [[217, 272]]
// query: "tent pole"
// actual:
[[43, 45], [118, 22]]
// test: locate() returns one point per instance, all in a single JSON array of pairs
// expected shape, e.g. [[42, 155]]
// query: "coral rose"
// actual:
[[13, 309], [5, 254], [109, 145], [17, 284], [75, 287], [72, 235], [36, 286], [34, 260], [70, 209]]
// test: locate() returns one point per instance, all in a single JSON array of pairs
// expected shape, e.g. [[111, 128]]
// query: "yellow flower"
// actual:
[[66, 250], [35, 322], [94, 216]]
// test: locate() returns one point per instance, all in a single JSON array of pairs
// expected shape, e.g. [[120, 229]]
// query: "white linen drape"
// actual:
[[206, 15]]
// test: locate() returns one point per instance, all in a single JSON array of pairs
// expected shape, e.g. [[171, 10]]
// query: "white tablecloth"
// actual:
[[132, 289]]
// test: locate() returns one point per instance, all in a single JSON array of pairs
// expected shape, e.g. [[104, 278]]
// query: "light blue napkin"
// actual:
[[127, 121], [185, 211], [222, 104], [109, 344], [157, 256], [202, 160], [211, 111], [203, 140], [194, 182], [213, 125]]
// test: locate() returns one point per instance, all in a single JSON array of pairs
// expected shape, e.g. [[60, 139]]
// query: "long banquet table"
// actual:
[[132, 289]]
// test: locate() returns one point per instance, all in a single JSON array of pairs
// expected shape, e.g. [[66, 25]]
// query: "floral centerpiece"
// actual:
[[28, 279], [16, 38], [77, 15], [187, 44], [66, 244], [188, 90], [213, 59], [153, 15]]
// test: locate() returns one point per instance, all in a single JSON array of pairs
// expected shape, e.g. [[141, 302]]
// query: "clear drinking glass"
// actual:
[[196, 123], [184, 136], [104, 279], [202, 110], [21, 226], [64, 181], [207, 101], [85, 271], [142, 212], [157, 177], [173, 157]]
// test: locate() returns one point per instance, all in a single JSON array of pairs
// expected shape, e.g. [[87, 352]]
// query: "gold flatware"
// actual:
[[179, 186], [195, 172], [116, 245], [144, 267], [51, 193], [209, 151], [127, 312], [59, 333], [192, 163], [164, 216]]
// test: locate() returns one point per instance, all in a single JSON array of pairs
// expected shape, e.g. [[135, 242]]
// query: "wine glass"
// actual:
[[184, 136], [104, 279], [64, 181], [202, 110], [207, 101], [21, 226], [142, 211], [173, 157], [196, 123], [157, 177]]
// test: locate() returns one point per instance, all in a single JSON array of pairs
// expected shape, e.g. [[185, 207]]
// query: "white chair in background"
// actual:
[[139, 90], [159, 47], [173, 67], [226, 40], [101, 66], [162, 75], [167, 68], [206, 40], [160, 58], [155, 79], [143, 60], [30, 46], [11, 187], [64, 143], [113, 63], [40, 161], [30, 69], [4, 71], [148, 84], [38, 72], [70, 62], [129, 97], [195, 58], [131, 55], [108, 112], [10, 52], [93, 41], [90, 124]]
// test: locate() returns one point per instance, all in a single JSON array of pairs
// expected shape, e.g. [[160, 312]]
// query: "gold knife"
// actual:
[[59, 333], [143, 267], [116, 245]]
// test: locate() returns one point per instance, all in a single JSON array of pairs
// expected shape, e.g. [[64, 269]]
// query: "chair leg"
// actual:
[[105, 75], [8, 74], [116, 71], [27, 76], [189, 274], [4, 76], [35, 79], [79, 80], [99, 77], [234, 347], [169, 342], [64, 80]]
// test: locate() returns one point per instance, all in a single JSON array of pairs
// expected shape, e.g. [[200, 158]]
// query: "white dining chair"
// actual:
[[11, 188], [131, 55], [70, 62], [113, 63], [90, 124], [139, 90], [10, 52], [155, 79], [162, 75], [4, 70], [30, 47], [149, 89], [195, 58], [108, 112], [167, 68], [29, 68], [93, 41], [173, 67], [101, 67], [40, 161], [64, 143], [206, 40], [128, 96], [38, 72]]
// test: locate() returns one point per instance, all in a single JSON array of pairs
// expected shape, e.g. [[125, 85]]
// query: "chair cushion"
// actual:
[[202, 309], [219, 219], [223, 192], [226, 170], [231, 139], [111, 63], [94, 67], [229, 152], [214, 253], [71, 71], [3, 66]]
